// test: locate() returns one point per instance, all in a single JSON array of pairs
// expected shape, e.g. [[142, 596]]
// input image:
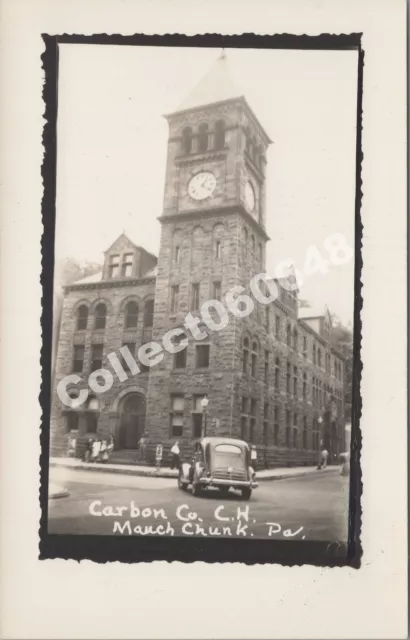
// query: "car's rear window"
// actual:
[[228, 448]]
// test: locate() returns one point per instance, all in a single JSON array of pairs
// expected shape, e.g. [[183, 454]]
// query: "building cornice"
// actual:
[[108, 284], [198, 214]]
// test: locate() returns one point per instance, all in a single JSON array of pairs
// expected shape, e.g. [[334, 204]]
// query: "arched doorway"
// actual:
[[132, 421]]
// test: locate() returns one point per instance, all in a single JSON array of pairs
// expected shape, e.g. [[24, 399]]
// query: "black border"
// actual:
[[146, 549]]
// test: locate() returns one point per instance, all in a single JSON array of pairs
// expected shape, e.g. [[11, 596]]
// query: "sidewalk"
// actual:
[[165, 472]]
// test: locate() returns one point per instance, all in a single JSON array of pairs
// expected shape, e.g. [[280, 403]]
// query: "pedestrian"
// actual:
[[323, 459], [95, 450], [142, 446], [175, 455], [110, 445], [104, 451], [345, 468], [254, 457], [88, 450]]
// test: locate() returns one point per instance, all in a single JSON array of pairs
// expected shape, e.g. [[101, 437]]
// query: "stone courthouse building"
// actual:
[[272, 378]]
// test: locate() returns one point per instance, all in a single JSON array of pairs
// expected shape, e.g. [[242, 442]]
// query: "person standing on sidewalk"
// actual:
[[323, 459], [175, 456], [143, 445], [254, 457]]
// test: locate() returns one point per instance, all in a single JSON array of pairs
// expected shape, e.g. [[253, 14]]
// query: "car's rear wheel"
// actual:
[[246, 493]]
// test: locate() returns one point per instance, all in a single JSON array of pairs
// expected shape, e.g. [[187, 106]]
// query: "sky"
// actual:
[[112, 143]]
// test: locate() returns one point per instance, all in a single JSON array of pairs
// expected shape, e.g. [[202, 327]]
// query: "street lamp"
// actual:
[[204, 406]]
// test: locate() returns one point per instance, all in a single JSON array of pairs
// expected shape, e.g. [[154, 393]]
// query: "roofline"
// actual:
[[137, 246], [240, 98], [107, 284]]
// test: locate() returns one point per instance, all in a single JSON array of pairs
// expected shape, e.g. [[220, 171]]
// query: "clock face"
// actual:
[[250, 198], [202, 185]]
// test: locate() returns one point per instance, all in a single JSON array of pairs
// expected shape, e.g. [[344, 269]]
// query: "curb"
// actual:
[[169, 475]]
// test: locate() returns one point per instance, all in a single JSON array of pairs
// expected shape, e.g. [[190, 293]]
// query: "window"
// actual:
[[245, 243], [96, 356], [180, 356], [252, 420], [288, 376], [314, 354], [78, 358], [288, 427], [148, 313], [245, 355], [216, 291], [131, 347], [267, 318], [100, 316], [304, 390], [295, 339], [202, 356], [131, 314], [304, 347], [82, 317], [114, 266], [177, 415], [177, 254], [276, 426], [174, 298], [319, 358], [197, 416], [187, 140], [265, 424], [126, 269], [305, 432], [220, 134], [91, 422], [295, 381], [254, 359], [288, 335], [195, 296], [218, 249], [203, 137], [244, 418], [295, 431], [266, 367], [277, 373], [253, 247], [72, 421], [277, 328]]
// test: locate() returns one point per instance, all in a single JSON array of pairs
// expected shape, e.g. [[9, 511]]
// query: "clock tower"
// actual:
[[213, 238]]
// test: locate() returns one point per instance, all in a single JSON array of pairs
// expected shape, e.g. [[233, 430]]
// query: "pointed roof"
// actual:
[[217, 85]]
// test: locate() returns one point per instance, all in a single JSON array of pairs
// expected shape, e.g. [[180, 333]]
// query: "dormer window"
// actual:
[[220, 134], [126, 269], [203, 137], [114, 266], [187, 140]]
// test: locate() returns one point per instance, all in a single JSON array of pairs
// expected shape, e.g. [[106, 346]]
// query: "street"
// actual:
[[307, 508]]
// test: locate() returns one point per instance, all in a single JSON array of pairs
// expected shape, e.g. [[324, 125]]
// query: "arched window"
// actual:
[[314, 354], [100, 316], [245, 355], [295, 339], [220, 134], [82, 317], [319, 358], [277, 372], [148, 313], [187, 140], [288, 336], [131, 314], [253, 246], [254, 360], [203, 137]]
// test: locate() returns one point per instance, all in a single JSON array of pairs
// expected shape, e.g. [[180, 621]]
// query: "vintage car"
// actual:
[[222, 463]]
